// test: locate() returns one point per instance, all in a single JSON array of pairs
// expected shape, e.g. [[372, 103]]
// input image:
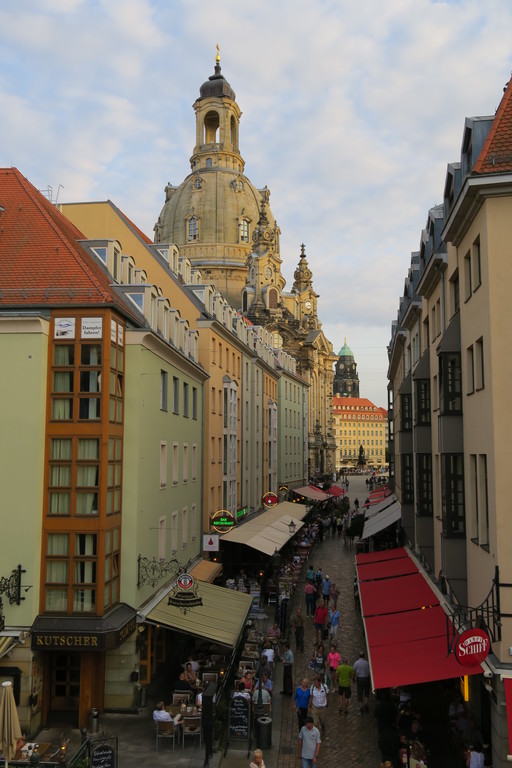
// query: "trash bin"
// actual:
[[264, 732], [94, 721]]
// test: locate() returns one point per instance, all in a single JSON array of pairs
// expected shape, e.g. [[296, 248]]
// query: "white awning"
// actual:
[[270, 530], [378, 520]]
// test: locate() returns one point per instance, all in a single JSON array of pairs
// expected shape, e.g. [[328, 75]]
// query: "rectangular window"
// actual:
[[477, 266], [175, 463], [483, 499], [455, 292], [468, 284], [185, 399], [161, 538], [185, 463], [194, 402], [174, 533], [407, 479], [184, 528], [450, 383], [163, 464], [406, 413], [422, 387], [473, 506], [479, 364], [194, 462], [470, 371], [424, 484], [163, 390], [452, 487], [175, 394]]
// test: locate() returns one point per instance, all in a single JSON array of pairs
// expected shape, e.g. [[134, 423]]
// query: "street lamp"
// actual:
[[276, 564], [292, 528], [261, 621]]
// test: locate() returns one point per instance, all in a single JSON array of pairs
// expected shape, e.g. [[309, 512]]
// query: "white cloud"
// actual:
[[351, 112]]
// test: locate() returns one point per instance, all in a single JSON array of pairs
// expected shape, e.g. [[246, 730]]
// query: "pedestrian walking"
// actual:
[[333, 662], [333, 623], [301, 702], [326, 589], [318, 702], [257, 759], [320, 619], [309, 743], [362, 679], [334, 594], [310, 592], [344, 675], [298, 628], [287, 670]]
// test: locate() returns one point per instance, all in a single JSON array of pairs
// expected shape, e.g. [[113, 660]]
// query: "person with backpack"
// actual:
[[318, 701]]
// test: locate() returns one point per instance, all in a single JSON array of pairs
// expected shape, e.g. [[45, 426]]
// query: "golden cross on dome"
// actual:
[[217, 58]]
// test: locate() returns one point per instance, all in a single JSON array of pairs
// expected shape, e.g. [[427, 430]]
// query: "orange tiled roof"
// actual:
[[41, 262], [496, 154], [359, 402]]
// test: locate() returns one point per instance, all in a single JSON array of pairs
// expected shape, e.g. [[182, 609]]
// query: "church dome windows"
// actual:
[[234, 132], [243, 230], [197, 183], [272, 298], [211, 127], [192, 229], [209, 162]]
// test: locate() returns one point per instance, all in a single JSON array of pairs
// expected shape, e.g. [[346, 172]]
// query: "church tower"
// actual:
[[346, 380], [212, 215]]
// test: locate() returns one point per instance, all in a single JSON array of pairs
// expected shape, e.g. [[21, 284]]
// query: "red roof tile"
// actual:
[[496, 154], [41, 262]]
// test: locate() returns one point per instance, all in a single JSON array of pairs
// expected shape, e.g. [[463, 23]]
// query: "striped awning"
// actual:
[[6, 643]]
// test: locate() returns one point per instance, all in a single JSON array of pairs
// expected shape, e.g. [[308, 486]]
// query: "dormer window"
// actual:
[[101, 253]]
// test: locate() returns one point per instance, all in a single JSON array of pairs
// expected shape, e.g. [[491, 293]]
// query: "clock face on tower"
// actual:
[[308, 305], [268, 272]]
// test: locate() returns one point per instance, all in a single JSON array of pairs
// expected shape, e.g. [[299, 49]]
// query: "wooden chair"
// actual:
[[182, 696], [191, 727], [166, 730], [209, 677]]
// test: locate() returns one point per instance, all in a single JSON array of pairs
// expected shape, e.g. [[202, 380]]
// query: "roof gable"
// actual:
[[42, 262], [496, 154]]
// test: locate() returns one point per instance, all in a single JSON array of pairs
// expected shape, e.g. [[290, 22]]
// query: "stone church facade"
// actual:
[[224, 225]]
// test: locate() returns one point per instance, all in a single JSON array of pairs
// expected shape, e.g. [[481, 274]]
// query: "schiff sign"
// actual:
[[472, 647]]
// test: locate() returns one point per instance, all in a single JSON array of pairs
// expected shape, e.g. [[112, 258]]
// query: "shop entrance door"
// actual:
[[65, 682]]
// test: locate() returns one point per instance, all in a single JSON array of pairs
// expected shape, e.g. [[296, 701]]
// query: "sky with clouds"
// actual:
[[351, 112]]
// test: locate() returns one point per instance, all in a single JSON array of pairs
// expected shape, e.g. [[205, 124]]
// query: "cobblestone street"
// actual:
[[352, 739]]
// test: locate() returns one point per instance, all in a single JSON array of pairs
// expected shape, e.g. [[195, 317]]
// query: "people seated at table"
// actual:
[[269, 653], [160, 713], [264, 667], [182, 684], [248, 680], [266, 683], [190, 675], [193, 662], [265, 696], [273, 632], [242, 692]]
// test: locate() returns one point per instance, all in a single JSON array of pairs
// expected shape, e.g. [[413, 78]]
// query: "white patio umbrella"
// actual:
[[10, 730]]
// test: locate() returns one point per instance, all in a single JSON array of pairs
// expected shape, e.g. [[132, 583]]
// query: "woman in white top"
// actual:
[[475, 756]]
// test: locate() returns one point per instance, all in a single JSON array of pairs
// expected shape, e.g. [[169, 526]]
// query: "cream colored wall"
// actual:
[[23, 386]]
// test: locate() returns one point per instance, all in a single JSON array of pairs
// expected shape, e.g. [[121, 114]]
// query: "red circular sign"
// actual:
[[472, 647], [270, 499], [185, 581]]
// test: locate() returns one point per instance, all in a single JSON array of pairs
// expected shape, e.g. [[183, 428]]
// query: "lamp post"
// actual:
[[261, 622], [276, 564]]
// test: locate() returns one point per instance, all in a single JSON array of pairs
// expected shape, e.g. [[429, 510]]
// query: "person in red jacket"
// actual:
[[320, 619]]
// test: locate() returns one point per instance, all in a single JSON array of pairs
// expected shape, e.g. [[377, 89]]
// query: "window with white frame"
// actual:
[[162, 528], [175, 463], [185, 463], [184, 527], [163, 390], [163, 463]]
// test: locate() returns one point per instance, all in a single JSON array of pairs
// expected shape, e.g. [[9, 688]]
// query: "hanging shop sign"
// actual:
[[270, 499], [223, 521], [184, 593], [472, 647]]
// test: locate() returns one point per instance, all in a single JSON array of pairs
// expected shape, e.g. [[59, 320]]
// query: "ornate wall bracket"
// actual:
[[151, 571], [10, 586]]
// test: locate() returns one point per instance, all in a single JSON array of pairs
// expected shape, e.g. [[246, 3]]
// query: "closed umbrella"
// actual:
[[10, 730]]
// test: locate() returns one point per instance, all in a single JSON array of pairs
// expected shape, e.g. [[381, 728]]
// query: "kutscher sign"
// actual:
[[472, 647]]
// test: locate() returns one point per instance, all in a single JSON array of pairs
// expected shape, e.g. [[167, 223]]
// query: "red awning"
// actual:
[[335, 490], [400, 593], [386, 568], [406, 627], [507, 682]]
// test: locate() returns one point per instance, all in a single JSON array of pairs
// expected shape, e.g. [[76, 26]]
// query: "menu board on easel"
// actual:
[[240, 720]]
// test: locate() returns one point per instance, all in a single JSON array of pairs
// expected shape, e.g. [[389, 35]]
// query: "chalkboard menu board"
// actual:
[[239, 719], [103, 756]]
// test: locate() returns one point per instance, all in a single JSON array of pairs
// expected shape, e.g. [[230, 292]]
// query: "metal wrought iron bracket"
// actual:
[[10, 586], [485, 616], [151, 571]]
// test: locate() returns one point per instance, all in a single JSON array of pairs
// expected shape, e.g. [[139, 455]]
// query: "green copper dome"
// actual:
[[345, 351]]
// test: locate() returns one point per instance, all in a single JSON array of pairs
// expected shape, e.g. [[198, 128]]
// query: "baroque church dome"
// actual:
[[212, 215]]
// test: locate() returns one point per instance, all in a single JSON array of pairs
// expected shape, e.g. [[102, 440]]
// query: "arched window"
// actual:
[[272, 298], [193, 229], [244, 231], [197, 183], [209, 162], [244, 301], [211, 126]]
